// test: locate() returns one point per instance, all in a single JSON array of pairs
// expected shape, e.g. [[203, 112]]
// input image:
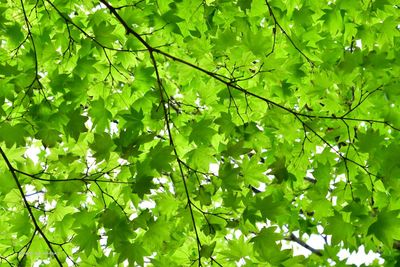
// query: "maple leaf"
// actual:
[[183, 133]]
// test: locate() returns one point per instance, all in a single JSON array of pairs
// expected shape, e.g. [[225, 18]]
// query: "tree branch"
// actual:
[[28, 207], [294, 238]]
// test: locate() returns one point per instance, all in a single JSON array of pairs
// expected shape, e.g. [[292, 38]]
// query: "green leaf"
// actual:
[[266, 248], [339, 229], [101, 116], [279, 170], [157, 233], [253, 171], [134, 119], [244, 4], [86, 238], [369, 141], [161, 157], [238, 248], [102, 145], [109, 217], [142, 185], [273, 209], [134, 253], [8, 183], [15, 34], [49, 137], [103, 32], [21, 224], [207, 250], [76, 124], [13, 134], [204, 196], [386, 227], [201, 132], [201, 157], [179, 132]]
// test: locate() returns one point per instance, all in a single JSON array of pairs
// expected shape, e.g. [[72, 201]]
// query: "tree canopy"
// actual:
[[198, 132]]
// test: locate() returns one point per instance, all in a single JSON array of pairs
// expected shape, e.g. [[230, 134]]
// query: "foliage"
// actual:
[[202, 132]]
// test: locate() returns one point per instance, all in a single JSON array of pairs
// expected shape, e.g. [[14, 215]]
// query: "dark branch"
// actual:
[[294, 238], [28, 206]]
